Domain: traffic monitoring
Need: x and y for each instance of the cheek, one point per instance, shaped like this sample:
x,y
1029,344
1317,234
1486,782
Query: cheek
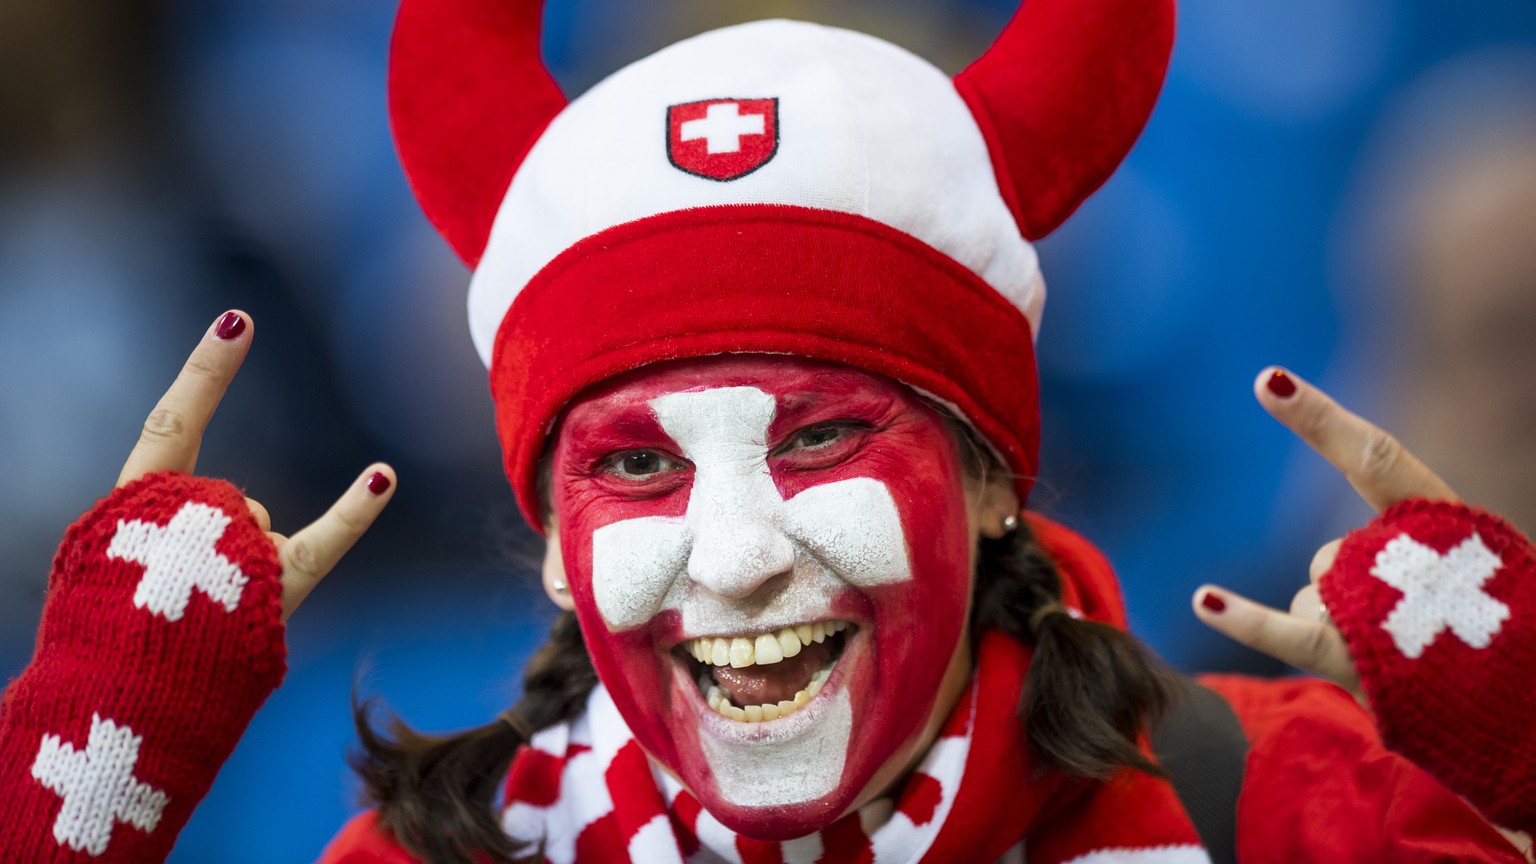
x,y
619,617
621,555
920,617
924,616
904,494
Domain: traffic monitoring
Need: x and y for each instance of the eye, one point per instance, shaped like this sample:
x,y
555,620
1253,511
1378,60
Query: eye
x,y
821,445
641,464
818,437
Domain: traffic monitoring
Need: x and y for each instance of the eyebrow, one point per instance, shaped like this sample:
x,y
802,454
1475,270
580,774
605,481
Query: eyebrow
x,y
830,386
637,422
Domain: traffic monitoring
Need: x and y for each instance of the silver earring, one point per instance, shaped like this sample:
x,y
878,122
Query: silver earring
x,y
560,586
1010,523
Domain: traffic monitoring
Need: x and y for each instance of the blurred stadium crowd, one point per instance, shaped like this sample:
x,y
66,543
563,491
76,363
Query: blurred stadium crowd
x,y
1345,188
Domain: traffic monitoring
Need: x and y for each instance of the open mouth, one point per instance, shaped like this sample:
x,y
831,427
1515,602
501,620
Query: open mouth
x,y
756,678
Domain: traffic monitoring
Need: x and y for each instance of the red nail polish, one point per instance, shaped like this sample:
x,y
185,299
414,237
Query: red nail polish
x,y
378,484
1280,384
1213,602
230,326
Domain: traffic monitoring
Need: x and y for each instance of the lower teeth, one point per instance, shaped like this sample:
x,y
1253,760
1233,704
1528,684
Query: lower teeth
x,y
721,703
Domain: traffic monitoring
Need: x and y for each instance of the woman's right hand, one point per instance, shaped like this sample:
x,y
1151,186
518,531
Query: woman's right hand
x,y
161,636
173,434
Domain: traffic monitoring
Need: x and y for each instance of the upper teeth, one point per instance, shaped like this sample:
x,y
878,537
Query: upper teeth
x,y
763,649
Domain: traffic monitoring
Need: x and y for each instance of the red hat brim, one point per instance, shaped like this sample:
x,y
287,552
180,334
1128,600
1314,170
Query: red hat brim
x,y
765,279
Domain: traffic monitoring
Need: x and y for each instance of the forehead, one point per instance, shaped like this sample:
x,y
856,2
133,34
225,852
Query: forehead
x,y
794,383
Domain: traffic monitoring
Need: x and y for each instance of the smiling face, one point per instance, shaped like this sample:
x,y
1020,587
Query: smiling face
x,y
771,562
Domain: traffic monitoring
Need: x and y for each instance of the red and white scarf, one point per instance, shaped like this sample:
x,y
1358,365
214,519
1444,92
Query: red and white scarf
x,y
587,793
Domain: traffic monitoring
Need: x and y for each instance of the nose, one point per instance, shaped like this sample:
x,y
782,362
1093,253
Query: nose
x,y
734,557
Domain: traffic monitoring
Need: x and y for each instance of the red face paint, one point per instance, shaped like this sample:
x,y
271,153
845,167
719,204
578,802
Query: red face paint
x,y
710,505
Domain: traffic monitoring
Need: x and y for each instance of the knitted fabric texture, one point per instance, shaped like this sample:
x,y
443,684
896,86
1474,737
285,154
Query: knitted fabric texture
x,y
160,638
1435,600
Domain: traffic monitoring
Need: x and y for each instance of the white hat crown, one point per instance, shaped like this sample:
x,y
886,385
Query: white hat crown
x,y
835,120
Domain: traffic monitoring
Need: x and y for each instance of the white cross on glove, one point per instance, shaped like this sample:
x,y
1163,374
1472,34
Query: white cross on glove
x,y
97,786
1440,592
178,557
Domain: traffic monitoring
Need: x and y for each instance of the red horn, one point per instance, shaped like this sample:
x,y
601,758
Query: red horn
x,y
1062,95
468,97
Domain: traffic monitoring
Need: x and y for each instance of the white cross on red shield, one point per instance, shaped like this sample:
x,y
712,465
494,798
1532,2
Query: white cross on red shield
x,y
722,139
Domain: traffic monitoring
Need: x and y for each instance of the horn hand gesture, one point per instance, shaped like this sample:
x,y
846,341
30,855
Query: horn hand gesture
x,y
173,434
1429,604
1380,469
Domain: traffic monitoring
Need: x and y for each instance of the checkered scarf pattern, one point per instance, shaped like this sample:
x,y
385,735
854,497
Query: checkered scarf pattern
x,y
587,793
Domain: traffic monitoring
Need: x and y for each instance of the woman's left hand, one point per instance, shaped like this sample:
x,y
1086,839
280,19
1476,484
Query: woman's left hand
x,y
1379,468
1384,473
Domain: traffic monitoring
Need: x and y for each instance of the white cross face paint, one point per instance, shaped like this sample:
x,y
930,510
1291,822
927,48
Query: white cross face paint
x,y
740,563
738,530
737,533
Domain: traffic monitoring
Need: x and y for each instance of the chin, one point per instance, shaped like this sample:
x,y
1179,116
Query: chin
x,y
815,732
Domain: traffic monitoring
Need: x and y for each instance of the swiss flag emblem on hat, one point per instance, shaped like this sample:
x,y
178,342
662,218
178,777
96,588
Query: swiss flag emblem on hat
x,y
722,139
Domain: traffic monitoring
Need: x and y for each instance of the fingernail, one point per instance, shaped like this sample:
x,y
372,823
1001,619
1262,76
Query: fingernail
x,y
230,326
1213,602
378,484
1280,384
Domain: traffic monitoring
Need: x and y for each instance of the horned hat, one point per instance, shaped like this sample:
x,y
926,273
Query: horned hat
x,y
775,187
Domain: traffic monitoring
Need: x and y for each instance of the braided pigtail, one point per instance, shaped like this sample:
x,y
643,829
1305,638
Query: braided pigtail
x,y
437,793
1091,688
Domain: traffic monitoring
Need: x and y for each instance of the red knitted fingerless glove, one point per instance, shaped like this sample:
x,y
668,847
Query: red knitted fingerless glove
x,y
1438,604
160,638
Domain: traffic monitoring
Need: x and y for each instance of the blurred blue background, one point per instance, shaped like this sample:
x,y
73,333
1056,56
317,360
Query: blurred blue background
x,y
1345,188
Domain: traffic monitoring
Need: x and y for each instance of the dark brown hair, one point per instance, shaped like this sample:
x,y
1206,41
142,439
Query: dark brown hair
x,y
1090,691
1091,688
437,793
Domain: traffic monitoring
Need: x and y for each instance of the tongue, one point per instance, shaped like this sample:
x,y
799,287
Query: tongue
x,y
776,682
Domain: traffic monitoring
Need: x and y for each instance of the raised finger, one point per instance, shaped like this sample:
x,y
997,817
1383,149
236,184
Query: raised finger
x,y
310,554
1302,641
1379,467
173,432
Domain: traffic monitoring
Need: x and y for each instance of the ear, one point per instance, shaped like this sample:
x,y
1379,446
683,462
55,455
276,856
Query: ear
x,y
556,585
998,501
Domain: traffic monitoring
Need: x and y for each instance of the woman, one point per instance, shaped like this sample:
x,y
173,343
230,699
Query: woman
x,y
759,314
